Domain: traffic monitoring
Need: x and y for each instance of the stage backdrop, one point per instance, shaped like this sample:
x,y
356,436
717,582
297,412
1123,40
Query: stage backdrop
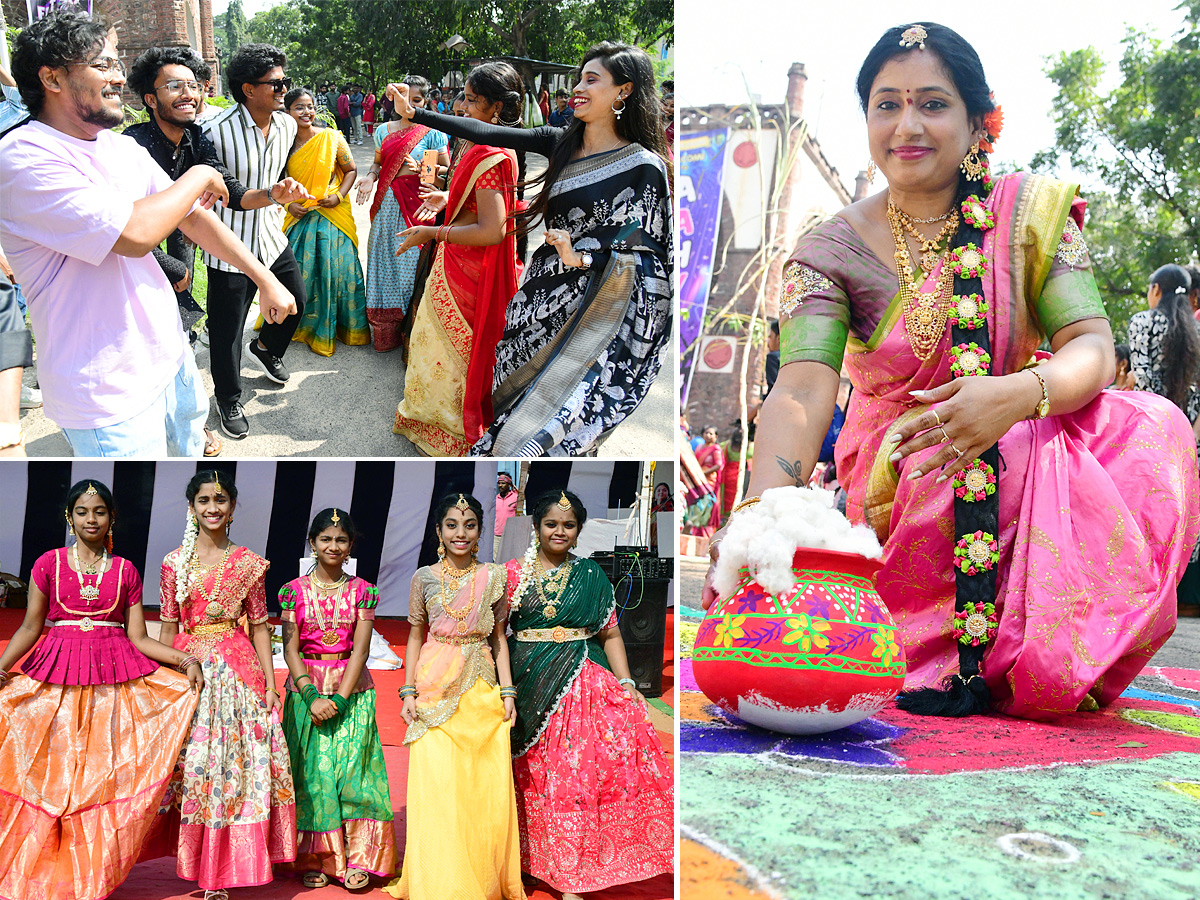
x,y
390,502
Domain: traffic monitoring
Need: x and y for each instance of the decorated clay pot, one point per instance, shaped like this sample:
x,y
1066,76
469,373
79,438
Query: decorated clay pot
x,y
822,655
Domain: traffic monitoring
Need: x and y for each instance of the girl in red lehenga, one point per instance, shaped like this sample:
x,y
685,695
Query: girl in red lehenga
x,y
594,791
89,734
230,810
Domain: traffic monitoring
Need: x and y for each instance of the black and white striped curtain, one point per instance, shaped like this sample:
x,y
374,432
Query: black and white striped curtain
x,y
391,502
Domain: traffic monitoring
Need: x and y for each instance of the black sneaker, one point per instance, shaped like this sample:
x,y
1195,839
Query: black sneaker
x,y
233,420
272,365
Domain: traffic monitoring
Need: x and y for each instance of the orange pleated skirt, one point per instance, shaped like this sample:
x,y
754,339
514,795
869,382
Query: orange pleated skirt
x,y
83,769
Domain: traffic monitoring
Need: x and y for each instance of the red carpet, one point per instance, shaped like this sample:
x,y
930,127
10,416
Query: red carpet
x,y
156,880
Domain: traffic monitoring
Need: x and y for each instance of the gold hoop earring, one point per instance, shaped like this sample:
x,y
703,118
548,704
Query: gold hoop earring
x,y
972,165
871,170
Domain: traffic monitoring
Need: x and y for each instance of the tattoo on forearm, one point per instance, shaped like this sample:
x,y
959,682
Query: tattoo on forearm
x,y
793,470
289,629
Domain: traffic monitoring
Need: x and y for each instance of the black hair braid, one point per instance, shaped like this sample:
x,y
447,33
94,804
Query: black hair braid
x,y
966,693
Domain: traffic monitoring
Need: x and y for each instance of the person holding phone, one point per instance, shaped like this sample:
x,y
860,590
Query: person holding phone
x,y
393,177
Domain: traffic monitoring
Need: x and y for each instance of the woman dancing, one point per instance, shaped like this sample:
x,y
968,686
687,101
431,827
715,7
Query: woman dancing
x,y
325,244
583,335
343,808
394,176
594,790
90,733
1006,576
458,702
230,811
448,383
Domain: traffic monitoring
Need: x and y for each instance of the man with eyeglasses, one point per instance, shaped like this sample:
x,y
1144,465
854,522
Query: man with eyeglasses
x,y
81,209
253,139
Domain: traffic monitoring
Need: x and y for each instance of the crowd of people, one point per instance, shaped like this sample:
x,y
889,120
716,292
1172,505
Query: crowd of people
x,y
503,355
530,752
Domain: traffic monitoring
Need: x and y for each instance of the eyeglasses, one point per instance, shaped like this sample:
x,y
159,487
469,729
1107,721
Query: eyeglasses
x,y
176,86
106,66
279,85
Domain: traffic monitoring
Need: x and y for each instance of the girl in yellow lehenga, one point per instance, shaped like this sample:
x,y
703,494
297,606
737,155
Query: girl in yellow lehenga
x,y
326,245
447,401
462,841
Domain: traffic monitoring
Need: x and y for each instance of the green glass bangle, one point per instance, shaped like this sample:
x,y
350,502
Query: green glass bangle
x,y
340,702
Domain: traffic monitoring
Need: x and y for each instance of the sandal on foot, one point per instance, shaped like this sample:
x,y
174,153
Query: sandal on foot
x,y
356,880
212,443
314,879
219,894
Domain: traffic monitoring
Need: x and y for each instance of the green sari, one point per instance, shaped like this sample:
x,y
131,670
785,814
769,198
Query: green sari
x,y
544,670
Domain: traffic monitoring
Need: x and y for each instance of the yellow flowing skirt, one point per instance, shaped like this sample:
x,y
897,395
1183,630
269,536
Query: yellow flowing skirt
x,y
82,771
462,841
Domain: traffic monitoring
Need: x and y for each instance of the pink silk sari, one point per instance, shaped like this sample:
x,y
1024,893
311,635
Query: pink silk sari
x,y
1098,508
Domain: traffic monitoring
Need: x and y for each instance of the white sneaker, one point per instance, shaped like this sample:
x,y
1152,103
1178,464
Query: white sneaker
x,y
31,397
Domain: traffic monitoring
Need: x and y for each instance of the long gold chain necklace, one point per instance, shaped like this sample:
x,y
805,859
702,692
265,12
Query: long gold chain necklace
x,y
213,608
556,581
452,579
925,314
321,589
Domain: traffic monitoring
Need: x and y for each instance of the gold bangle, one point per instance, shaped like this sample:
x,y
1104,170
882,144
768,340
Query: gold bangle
x,y
749,501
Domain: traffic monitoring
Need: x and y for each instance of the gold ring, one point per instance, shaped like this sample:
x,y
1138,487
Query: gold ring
x,y
956,450
945,437
936,418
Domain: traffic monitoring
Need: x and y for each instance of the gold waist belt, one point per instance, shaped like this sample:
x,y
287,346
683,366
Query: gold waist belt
x,y
458,639
86,624
557,634
214,628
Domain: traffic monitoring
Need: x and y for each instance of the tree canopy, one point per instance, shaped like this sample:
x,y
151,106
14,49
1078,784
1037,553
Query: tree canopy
x,y
1140,140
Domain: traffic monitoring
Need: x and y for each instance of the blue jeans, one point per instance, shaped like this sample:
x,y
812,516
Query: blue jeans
x,y
173,425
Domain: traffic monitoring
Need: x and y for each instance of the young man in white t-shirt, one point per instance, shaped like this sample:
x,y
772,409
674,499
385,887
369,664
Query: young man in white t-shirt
x,y
81,208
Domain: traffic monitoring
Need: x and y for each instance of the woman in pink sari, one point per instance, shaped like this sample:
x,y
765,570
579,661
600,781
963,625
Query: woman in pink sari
x,y
393,176
1034,527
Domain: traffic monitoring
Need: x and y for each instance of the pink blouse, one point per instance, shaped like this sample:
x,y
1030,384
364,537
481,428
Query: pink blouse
x,y
86,653
338,615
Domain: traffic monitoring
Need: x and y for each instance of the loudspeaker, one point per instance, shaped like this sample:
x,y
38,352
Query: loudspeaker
x,y
642,612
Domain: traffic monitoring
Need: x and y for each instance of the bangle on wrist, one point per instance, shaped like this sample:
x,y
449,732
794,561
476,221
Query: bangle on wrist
x,y
749,501
627,681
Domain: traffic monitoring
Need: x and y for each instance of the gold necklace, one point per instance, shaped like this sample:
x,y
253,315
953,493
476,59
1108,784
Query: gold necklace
x,y
929,246
213,609
329,635
452,578
89,593
925,314
556,580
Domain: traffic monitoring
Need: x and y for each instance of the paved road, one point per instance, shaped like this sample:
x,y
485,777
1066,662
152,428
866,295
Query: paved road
x,y
344,405
1182,650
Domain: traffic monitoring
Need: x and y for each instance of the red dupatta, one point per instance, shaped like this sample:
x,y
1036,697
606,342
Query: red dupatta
x,y
486,275
395,148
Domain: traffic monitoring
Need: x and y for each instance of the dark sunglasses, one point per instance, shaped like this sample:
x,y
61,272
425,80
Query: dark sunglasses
x,y
279,85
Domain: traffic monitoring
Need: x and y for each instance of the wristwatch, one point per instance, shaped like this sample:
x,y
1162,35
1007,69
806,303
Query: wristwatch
x,y
10,435
1043,408
271,197
587,259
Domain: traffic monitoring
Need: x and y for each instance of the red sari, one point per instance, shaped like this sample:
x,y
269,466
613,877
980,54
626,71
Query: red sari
x,y
447,401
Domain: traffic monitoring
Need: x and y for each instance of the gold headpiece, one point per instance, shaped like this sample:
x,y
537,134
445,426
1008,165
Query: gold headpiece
x,y
216,482
914,35
462,503
563,503
334,518
91,490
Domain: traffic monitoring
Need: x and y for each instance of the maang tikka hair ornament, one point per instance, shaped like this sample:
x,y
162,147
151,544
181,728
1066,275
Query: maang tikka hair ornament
x,y
334,518
563,503
914,35
462,503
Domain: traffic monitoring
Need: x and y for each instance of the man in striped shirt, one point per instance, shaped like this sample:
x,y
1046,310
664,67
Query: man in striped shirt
x,y
253,139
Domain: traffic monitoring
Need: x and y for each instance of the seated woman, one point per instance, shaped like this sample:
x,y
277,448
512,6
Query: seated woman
x,y
1021,559
322,233
452,351
581,344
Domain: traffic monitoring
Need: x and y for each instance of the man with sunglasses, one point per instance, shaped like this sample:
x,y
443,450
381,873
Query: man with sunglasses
x,y
81,209
253,139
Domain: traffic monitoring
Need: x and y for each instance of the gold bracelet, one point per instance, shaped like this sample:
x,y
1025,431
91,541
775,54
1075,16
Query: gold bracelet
x,y
1043,408
749,501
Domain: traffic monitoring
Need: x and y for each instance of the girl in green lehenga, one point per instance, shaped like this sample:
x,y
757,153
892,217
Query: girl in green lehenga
x,y
343,809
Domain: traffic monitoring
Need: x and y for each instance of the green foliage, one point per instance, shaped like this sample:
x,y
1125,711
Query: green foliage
x,y
1139,139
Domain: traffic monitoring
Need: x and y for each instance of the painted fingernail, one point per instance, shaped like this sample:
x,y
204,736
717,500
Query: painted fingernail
x,y
895,457
915,475
940,479
916,393
894,438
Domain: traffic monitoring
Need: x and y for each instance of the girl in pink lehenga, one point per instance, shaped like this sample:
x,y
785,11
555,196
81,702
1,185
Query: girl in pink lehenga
x,y
1091,495
230,810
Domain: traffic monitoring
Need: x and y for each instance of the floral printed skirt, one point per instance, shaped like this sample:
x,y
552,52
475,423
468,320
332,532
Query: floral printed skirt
x,y
594,794
343,807
230,809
